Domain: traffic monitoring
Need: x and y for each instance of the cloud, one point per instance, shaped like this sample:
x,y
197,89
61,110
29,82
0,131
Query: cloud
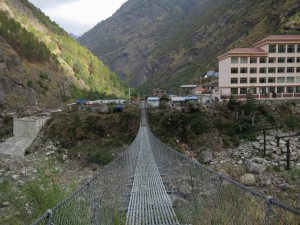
x,y
78,16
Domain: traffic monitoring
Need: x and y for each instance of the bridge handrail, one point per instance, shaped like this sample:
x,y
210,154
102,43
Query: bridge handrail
x,y
268,199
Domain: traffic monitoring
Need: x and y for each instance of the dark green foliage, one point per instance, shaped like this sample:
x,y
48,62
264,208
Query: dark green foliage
x,y
30,83
184,127
292,122
94,135
6,126
100,156
24,42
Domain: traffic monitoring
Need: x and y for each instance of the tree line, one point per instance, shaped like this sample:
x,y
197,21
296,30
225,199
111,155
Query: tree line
x,y
24,42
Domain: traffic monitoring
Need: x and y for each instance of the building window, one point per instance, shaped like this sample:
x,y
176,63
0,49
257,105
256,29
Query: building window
x,y
280,69
253,80
271,89
234,60
233,80
280,79
271,79
281,48
271,70
280,89
290,70
262,70
291,48
290,60
262,80
281,60
272,48
297,89
297,69
290,89
243,91
253,70
244,60
252,90
253,60
233,91
243,70
262,60
243,80
298,60
272,60
290,79
262,90
297,80
234,70
298,48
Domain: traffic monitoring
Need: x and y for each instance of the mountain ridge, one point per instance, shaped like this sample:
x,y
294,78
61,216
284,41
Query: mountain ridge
x,y
184,39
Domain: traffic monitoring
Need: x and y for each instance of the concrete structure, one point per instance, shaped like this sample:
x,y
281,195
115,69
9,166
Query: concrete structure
x,y
271,69
28,127
25,131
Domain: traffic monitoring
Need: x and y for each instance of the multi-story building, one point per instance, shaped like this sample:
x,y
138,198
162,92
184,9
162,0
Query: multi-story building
x,y
271,69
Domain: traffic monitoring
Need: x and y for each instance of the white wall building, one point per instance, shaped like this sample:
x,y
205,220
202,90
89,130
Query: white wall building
x,y
271,69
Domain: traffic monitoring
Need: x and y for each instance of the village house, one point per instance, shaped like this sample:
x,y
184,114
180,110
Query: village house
x,y
157,92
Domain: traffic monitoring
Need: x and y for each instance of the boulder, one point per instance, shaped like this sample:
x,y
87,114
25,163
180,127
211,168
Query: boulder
x,y
205,157
248,179
255,145
253,167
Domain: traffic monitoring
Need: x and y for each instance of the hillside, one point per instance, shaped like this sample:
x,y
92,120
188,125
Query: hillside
x,y
165,43
41,65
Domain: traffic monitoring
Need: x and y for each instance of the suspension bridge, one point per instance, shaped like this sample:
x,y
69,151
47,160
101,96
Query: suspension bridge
x,y
152,184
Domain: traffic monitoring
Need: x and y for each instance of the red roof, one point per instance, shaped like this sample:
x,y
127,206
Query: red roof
x,y
279,38
246,50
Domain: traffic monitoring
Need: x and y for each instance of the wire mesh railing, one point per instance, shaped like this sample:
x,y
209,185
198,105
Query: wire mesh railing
x,y
199,195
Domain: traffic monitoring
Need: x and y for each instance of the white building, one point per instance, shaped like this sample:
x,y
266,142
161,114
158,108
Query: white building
x,y
271,69
153,101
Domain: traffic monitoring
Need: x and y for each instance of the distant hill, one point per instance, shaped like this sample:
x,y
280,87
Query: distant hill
x,y
41,65
165,43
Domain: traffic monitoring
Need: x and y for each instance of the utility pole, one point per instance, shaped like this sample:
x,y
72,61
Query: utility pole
x,y
129,95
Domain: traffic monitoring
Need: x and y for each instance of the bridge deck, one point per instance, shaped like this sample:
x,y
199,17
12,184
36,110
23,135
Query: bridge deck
x,y
149,202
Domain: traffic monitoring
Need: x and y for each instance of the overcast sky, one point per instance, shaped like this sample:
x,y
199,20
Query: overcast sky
x,y
78,16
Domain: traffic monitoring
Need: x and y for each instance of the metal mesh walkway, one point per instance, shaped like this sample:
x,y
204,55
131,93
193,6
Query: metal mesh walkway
x,y
149,202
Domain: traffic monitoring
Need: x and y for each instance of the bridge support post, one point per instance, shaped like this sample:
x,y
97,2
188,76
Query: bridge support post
x,y
269,210
49,216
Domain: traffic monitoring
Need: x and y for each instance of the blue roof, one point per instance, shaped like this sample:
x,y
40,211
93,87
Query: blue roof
x,y
190,98
152,99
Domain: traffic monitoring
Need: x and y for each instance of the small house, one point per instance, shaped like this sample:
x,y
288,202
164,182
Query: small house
x,y
153,101
157,92
187,89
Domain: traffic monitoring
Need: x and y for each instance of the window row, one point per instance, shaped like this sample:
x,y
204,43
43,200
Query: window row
x,y
235,70
253,60
265,90
262,80
284,48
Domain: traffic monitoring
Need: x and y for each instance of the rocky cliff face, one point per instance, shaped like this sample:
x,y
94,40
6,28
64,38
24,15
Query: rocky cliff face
x,y
166,43
21,84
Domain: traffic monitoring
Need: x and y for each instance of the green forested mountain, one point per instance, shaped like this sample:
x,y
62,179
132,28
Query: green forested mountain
x,y
40,64
165,43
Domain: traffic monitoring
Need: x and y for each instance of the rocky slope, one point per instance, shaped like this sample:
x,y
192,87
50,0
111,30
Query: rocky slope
x,y
166,43
66,70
